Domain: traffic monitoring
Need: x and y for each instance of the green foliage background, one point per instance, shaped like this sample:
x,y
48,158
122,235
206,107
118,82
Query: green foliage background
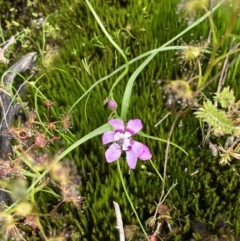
x,y
208,196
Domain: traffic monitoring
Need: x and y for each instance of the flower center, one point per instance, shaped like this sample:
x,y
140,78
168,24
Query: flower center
x,y
122,141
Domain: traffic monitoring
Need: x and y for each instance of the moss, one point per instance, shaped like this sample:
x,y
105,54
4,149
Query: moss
x,y
205,190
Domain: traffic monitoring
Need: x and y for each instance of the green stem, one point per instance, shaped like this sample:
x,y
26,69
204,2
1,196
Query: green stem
x,y
129,199
216,46
213,63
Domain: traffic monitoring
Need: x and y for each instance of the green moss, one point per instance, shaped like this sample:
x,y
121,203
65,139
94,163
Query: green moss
x,y
205,189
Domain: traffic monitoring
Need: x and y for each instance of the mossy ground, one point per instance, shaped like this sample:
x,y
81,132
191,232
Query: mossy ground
x,y
209,196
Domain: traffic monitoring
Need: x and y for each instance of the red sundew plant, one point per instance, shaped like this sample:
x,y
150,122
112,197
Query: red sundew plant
x,y
9,225
70,194
66,122
10,169
40,140
194,52
191,8
29,158
31,221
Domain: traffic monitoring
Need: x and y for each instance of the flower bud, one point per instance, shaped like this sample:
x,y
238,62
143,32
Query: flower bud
x,y
112,105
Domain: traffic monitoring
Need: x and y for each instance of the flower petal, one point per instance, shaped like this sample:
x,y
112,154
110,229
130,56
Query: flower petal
x,y
126,145
134,126
117,124
107,137
118,136
136,147
131,159
113,153
146,154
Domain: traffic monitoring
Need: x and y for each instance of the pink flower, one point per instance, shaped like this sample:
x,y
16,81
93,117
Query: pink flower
x,y
121,138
